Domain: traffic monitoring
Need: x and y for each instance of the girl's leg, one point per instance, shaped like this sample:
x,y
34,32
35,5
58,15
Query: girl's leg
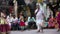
x,y
38,27
41,25
21,28
41,29
58,26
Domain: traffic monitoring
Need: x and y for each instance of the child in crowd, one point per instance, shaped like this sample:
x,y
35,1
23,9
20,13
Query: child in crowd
x,y
51,22
22,23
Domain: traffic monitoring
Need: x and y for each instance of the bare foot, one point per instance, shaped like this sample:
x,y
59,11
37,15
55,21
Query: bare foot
x,y
58,30
38,31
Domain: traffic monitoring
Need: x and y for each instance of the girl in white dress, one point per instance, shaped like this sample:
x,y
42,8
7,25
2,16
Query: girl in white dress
x,y
39,18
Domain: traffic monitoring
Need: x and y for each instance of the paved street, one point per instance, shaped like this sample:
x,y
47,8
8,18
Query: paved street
x,y
46,31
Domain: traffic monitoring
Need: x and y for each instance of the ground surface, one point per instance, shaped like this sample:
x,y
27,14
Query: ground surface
x,y
46,31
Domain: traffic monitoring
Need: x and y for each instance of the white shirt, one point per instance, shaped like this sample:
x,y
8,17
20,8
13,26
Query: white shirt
x,y
28,1
39,15
9,19
43,7
14,19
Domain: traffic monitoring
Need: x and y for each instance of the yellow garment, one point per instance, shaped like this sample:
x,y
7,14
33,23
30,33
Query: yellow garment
x,y
57,13
39,1
2,21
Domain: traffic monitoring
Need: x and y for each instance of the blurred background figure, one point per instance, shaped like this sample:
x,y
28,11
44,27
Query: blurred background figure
x,y
4,26
58,19
51,22
22,23
31,22
14,22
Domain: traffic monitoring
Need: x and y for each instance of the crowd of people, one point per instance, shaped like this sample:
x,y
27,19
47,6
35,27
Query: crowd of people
x,y
12,22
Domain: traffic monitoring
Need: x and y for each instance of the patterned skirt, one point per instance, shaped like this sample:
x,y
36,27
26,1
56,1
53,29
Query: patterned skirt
x,y
4,28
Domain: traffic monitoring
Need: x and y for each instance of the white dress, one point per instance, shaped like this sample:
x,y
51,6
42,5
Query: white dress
x,y
39,16
39,19
43,7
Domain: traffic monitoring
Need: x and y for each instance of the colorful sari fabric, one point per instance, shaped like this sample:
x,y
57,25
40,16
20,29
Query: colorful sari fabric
x,y
51,22
58,19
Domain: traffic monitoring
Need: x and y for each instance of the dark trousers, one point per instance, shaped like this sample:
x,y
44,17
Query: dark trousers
x,y
14,26
32,25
